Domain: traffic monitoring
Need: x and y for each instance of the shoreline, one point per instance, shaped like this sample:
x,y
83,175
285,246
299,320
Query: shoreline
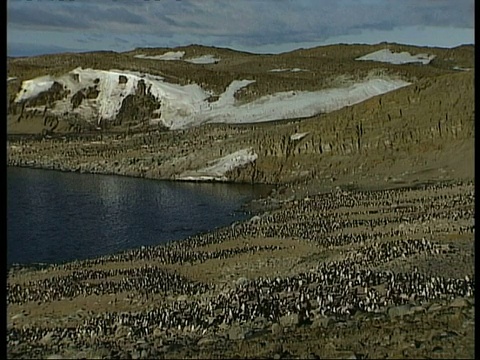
x,y
244,209
362,248
386,238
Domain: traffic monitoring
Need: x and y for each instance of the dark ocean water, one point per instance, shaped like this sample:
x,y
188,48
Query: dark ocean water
x,y
53,217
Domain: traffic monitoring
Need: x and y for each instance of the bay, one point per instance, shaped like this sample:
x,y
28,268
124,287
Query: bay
x,y
54,217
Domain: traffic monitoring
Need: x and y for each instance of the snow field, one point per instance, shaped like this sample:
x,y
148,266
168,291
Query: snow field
x,y
219,167
186,106
385,55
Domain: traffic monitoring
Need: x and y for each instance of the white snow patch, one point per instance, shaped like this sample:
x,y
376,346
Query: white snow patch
x,y
34,87
385,55
297,104
176,101
199,178
461,69
298,136
10,78
219,167
186,106
284,70
205,59
227,98
170,55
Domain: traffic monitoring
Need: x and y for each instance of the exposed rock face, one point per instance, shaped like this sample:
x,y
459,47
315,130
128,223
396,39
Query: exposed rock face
x,y
138,107
418,117
412,121
74,98
89,93
39,105
56,92
401,125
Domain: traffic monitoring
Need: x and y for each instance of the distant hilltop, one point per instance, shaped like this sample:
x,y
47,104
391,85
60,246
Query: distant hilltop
x,y
190,86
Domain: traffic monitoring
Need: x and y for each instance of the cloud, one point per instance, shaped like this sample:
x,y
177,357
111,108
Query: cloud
x,y
225,22
71,15
42,18
121,40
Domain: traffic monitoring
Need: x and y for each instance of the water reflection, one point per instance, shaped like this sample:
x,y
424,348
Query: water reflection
x,y
56,217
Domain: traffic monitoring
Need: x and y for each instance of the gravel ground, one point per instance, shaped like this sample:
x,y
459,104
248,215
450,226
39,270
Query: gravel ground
x,y
344,274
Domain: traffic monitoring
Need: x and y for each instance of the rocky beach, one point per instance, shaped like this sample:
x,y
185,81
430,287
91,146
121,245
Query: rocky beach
x,y
363,249
363,274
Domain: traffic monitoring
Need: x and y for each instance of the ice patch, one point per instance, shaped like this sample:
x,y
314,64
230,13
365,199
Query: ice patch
x,y
34,87
171,55
284,70
187,106
178,55
227,98
205,59
177,101
219,167
298,136
461,69
298,104
385,55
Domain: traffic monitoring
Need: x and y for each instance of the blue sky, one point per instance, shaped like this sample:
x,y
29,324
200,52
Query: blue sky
x,y
261,26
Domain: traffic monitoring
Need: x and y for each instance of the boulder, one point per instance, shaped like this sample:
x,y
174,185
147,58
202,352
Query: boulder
x,y
434,307
157,332
47,339
276,329
241,281
236,332
122,331
400,310
290,320
459,303
205,341
182,298
322,321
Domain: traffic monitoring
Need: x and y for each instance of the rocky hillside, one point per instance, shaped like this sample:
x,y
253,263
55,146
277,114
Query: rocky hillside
x,y
81,92
415,126
387,273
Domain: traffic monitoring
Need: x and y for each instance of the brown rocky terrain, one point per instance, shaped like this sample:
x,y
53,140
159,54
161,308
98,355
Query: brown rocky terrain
x,y
362,274
363,250
399,126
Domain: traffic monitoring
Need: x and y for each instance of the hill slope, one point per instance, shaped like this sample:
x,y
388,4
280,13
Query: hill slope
x,y
362,116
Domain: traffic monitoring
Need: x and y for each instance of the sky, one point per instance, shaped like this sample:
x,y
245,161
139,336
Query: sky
x,y
37,27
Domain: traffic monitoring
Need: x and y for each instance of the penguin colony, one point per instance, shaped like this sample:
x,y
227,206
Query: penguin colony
x,y
340,288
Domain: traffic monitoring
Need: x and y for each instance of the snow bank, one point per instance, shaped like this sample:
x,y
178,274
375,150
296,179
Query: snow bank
x,y
171,55
177,101
297,104
219,167
227,98
186,106
34,87
385,55
178,55
298,136
205,59
291,70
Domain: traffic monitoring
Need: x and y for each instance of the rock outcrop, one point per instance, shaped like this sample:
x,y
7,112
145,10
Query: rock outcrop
x,y
408,125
